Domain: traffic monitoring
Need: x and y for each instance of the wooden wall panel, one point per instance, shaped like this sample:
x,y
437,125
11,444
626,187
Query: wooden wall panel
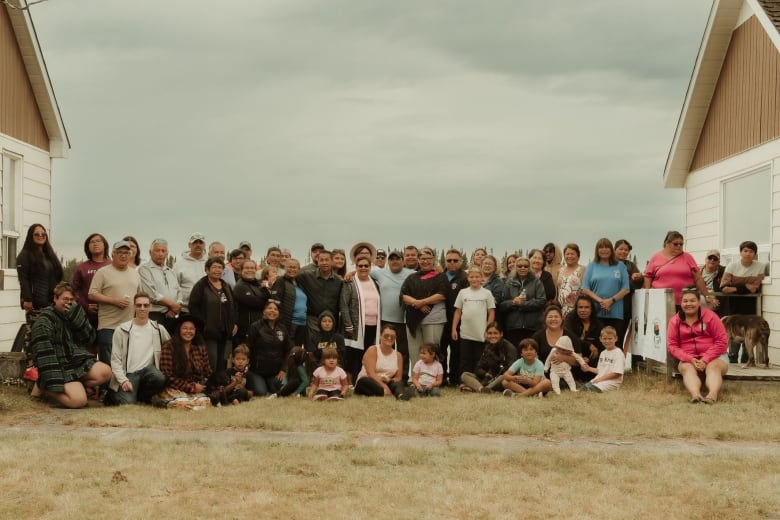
x,y
19,114
745,108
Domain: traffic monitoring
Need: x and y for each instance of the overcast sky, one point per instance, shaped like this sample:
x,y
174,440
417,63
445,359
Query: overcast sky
x,y
502,123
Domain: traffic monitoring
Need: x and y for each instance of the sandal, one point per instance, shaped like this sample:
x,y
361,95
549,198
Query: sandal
x,y
697,399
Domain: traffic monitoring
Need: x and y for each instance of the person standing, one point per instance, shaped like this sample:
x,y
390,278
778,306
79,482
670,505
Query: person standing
x,y
424,293
381,259
390,281
456,281
212,301
323,290
113,288
135,357
189,268
161,284
39,271
96,249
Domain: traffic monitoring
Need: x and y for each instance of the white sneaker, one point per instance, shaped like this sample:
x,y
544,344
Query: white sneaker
x,y
272,396
320,397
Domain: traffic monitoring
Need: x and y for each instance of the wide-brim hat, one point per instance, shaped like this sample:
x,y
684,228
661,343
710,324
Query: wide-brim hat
x,y
183,318
361,245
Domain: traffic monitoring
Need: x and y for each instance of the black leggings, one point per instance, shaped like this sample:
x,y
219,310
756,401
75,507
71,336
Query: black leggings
x,y
368,387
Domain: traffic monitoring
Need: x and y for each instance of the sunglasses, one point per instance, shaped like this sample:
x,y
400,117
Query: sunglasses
x,y
676,244
452,260
713,258
363,266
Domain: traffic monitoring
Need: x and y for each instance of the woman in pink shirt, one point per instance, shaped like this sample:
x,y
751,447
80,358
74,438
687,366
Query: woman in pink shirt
x,y
673,268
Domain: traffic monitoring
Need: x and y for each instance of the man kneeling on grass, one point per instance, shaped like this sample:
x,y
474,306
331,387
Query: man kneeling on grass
x,y
135,357
526,375
612,364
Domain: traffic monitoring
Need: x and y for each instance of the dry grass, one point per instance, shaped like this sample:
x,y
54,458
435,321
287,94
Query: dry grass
x,y
645,408
94,477
383,458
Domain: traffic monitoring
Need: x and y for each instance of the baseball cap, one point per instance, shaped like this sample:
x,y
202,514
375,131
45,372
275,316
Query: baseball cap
x,y
197,236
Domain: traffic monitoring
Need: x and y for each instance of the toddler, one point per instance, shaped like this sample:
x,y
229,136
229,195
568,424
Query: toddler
x,y
562,369
330,380
427,374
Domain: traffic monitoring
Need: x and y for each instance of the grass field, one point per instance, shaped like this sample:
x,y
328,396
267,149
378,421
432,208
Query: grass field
x,y
643,450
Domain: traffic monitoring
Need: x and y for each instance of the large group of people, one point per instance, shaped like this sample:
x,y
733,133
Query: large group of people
x,y
222,323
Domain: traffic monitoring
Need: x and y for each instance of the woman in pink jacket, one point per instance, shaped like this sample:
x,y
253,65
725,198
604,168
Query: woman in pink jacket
x,y
697,338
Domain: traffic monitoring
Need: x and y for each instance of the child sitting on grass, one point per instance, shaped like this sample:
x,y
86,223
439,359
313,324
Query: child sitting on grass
x,y
562,369
612,365
497,356
526,375
295,377
330,380
427,374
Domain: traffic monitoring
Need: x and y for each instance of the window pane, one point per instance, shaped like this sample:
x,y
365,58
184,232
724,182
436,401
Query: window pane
x,y
747,209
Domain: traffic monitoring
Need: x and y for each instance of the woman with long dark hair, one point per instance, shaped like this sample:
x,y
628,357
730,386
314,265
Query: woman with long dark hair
x,y
135,252
39,272
96,250
184,359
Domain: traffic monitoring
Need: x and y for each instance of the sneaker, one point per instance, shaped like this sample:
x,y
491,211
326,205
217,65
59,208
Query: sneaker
x,y
335,398
508,393
272,396
320,397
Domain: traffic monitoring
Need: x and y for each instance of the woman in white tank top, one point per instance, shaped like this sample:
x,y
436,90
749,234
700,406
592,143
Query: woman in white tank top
x,y
381,373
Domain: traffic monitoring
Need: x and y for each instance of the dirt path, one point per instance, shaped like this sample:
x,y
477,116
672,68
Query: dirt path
x,y
465,442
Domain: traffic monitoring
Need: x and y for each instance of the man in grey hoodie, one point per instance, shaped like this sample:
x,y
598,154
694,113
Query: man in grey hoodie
x,y
191,267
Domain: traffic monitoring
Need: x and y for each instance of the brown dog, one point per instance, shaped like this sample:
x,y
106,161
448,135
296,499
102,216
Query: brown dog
x,y
753,331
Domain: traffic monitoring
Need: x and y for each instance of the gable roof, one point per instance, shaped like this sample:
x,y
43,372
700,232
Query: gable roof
x,y
38,74
723,19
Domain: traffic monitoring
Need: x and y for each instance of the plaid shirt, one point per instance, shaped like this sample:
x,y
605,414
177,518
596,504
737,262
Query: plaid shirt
x,y
198,371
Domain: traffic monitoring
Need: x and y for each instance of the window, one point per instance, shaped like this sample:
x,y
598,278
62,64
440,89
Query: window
x,y
11,211
746,214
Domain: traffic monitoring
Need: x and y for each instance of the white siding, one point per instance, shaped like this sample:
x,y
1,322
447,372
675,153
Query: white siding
x,y
36,204
703,227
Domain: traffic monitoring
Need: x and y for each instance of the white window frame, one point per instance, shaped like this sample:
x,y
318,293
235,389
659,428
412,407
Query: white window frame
x,y
730,252
11,231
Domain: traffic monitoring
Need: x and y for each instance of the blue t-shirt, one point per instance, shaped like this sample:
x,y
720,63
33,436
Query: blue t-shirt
x,y
519,368
606,281
299,311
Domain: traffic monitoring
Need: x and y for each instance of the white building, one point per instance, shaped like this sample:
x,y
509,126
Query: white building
x,y
31,136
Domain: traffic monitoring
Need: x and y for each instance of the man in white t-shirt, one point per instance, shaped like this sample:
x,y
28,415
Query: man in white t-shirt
x,y
742,277
135,356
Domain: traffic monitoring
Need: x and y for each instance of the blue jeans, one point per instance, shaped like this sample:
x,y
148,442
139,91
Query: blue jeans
x,y
146,383
264,384
216,350
103,339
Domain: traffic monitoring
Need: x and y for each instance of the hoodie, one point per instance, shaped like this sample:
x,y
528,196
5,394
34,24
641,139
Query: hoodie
x,y
188,271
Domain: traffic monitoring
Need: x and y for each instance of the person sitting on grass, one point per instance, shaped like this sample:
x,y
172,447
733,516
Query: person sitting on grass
x,y
612,364
330,380
427,374
382,368
184,359
295,380
232,385
697,338
497,356
58,341
526,375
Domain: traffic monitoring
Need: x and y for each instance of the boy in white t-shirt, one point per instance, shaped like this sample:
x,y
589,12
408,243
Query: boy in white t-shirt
x,y
612,365
475,307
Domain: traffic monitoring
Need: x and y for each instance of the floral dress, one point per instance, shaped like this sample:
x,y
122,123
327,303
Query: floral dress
x,y
569,286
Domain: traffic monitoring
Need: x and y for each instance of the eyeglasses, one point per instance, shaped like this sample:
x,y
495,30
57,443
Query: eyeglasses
x,y
453,260
142,305
364,266
424,258
713,258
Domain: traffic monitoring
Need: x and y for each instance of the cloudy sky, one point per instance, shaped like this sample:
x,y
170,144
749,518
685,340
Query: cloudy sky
x,y
505,123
